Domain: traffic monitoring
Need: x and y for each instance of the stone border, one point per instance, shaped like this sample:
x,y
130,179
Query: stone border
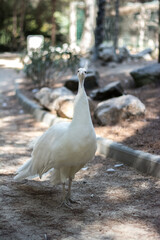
x,y
36,110
142,161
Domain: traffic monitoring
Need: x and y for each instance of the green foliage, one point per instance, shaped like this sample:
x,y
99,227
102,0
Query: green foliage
x,y
46,64
20,18
62,22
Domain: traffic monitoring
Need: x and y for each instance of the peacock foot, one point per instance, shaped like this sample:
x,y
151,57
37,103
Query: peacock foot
x,y
66,203
74,201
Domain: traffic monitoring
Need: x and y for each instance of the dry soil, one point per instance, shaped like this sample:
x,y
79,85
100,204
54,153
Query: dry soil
x,y
120,205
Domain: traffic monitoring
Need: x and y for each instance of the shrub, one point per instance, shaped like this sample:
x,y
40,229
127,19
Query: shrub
x,y
45,64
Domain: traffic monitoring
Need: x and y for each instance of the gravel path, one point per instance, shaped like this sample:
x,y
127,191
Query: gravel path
x,y
122,205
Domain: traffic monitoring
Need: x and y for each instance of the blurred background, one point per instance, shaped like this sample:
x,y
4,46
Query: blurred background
x,y
131,23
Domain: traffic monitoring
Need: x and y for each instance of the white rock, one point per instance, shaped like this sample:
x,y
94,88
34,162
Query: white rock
x,y
64,106
21,111
110,170
35,90
60,100
43,96
85,168
118,165
47,96
113,110
4,104
107,54
58,92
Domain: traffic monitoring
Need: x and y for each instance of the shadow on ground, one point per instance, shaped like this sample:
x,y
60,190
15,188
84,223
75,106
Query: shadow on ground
x,y
120,205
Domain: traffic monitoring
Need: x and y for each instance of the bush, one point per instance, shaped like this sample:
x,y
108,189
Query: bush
x,y
45,64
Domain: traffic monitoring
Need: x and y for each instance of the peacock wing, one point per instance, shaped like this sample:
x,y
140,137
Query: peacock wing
x,y
46,146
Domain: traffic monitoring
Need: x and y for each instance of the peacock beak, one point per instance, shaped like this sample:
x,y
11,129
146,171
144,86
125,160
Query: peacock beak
x,y
81,75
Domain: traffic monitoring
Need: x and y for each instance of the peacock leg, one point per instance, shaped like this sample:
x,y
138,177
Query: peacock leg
x,y
69,192
69,188
64,192
65,202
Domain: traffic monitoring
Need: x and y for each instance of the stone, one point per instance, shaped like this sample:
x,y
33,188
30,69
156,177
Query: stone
x,y
47,96
107,54
148,57
142,53
123,54
111,111
111,90
91,81
72,83
64,106
94,72
43,96
112,64
103,46
146,75
61,91
60,100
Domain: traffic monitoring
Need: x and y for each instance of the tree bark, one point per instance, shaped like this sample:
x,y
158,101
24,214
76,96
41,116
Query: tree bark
x,y
87,40
22,15
116,27
99,32
53,32
14,31
159,33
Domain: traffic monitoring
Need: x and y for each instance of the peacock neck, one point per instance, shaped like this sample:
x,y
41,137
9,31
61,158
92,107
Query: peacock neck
x,y
81,115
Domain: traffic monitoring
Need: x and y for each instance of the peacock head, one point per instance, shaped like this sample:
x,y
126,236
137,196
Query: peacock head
x,y
81,73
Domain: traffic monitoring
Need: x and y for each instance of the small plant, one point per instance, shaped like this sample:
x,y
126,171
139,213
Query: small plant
x,y
44,65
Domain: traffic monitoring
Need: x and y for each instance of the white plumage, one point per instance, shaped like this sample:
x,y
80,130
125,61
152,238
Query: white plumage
x,y
65,146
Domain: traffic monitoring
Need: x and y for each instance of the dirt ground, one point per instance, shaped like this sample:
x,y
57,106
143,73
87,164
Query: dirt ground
x,y
122,205
141,133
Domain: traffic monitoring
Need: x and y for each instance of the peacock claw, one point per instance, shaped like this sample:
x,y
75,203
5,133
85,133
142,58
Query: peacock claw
x,y
74,201
65,203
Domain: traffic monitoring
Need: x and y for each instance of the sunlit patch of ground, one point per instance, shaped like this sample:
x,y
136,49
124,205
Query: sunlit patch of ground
x,y
123,205
10,60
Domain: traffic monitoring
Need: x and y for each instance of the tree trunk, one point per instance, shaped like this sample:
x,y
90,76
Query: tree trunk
x,y
14,30
73,24
159,33
142,28
116,27
53,32
99,32
87,40
22,15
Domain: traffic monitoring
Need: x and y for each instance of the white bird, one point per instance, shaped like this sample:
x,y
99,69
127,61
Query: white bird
x,y
66,146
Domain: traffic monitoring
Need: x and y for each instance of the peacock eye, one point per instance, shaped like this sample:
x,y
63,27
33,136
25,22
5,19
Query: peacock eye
x,y
85,72
78,71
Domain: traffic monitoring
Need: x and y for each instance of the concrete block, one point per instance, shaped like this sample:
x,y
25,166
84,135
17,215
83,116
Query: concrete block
x,y
142,161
